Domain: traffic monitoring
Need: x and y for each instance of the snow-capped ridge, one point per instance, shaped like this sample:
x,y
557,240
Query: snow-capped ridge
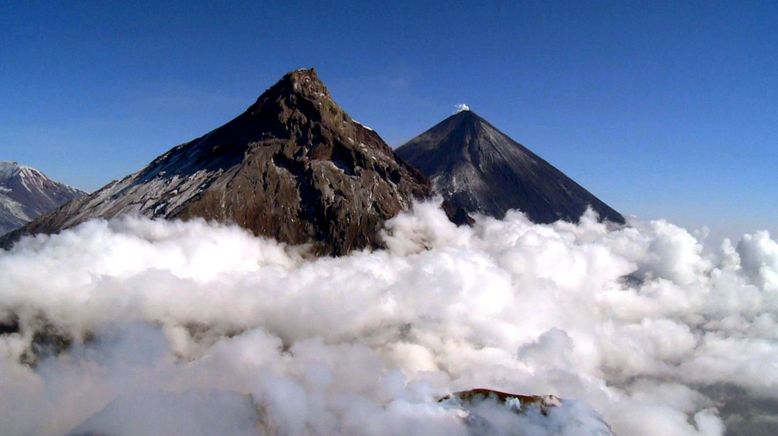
x,y
26,193
11,168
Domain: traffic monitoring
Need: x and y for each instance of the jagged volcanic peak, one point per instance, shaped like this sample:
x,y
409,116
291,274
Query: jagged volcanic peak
x,y
294,166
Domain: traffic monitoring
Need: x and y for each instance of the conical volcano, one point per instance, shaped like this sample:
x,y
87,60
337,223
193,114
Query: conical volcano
x,y
294,166
479,169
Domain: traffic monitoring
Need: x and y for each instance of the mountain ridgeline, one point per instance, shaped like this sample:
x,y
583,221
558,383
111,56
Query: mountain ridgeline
x,y
479,169
295,167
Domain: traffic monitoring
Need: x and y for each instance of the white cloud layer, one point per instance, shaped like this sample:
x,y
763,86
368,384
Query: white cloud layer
x,y
193,327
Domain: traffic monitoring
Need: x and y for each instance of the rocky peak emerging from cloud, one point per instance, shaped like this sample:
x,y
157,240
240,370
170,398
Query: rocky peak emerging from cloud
x,y
294,166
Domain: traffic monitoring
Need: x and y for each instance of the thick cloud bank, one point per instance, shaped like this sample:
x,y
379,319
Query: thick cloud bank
x,y
192,327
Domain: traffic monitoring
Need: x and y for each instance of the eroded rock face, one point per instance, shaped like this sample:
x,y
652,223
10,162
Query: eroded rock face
x,y
294,166
479,169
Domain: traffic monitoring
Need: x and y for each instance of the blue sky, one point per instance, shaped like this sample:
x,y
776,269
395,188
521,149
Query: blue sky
x,y
662,109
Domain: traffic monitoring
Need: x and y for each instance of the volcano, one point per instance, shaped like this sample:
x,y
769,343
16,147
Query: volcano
x,y
479,169
294,166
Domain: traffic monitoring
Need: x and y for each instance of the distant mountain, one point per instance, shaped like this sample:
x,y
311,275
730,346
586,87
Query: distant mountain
x,y
26,193
477,168
294,166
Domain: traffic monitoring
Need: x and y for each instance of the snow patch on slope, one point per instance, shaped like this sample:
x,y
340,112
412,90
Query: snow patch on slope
x,y
363,126
153,198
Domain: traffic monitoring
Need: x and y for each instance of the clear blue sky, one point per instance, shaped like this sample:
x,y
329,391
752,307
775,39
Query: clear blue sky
x,y
663,109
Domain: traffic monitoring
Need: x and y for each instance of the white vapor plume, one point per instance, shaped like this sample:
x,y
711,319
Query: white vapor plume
x,y
135,326
461,107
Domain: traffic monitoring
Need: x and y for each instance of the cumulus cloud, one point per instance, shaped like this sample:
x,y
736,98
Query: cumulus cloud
x,y
116,322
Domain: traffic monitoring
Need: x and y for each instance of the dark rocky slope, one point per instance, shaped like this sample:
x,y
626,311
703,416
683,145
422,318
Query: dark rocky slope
x,y
479,169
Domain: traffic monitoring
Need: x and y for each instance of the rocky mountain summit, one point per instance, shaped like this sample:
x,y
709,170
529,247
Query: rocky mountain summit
x,y
26,193
479,169
294,166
